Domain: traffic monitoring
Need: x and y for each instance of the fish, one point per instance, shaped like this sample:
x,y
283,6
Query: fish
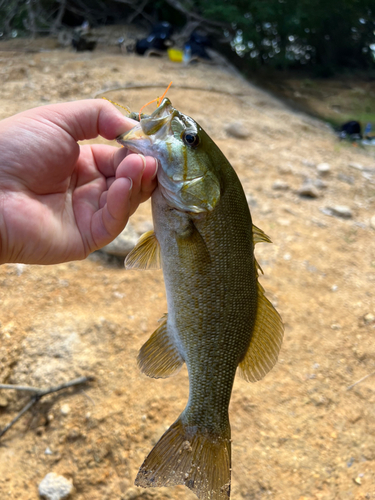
x,y
219,320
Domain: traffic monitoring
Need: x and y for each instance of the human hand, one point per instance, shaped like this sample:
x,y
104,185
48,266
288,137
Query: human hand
x,y
60,201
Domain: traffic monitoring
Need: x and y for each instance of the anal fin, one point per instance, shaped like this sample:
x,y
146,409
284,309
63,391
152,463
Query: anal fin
x,y
159,356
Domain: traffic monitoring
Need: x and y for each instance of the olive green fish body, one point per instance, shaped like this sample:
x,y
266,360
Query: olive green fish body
x,y
212,294
218,317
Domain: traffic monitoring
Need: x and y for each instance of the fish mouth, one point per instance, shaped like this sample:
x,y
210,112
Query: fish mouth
x,y
157,126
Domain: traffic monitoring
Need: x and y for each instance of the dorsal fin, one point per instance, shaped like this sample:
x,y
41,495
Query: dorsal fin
x,y
145,254
159,356
265,342
260,236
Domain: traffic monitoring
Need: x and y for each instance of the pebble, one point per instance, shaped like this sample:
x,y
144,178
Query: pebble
x,y
372,222
285,169
55,487
125,241
308,163
336,326
323,168
65,409
20,269
280,185
341,211
357,166
349,179
320,184
237,130
369,318
308,190
283,222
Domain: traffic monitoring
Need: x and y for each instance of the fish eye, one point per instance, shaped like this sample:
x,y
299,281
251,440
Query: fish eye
x,y
190,139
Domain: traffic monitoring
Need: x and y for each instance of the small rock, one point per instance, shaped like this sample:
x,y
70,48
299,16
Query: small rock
x,y
308,163
349,179
357,166
341,211
280,185
65,409
125,241
369,318
372,222
285,169
20,269
55,487
48,451
283,222
237,130
323,168
308,190
320,184
336,326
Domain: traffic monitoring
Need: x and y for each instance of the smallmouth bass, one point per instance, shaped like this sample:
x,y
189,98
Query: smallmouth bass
x,y
218,316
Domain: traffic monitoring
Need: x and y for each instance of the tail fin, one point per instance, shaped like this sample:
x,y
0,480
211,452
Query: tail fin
x,y
186,455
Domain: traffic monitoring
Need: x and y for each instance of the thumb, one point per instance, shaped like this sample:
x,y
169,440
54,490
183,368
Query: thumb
x,y
88,118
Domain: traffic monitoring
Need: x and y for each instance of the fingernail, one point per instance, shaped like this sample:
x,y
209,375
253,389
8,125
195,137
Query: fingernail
x,y
131,183
156,169
143,159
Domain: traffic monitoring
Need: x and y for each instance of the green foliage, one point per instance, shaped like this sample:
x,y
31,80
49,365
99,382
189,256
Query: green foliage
x,y
324,35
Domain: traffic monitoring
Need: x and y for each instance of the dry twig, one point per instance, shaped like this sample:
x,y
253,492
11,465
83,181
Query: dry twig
x,y
38,394
360,380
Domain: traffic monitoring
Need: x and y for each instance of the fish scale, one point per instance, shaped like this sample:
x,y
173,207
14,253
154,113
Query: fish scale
x,y
218,316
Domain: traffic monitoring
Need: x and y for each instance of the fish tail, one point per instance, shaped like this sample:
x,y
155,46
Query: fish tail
x,y
187,455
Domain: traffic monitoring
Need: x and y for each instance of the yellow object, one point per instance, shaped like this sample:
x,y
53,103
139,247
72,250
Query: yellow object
x,y
175,55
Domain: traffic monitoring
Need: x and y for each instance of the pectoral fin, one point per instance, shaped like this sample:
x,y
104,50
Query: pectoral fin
x,y
192,248
265,342
159,356
145,254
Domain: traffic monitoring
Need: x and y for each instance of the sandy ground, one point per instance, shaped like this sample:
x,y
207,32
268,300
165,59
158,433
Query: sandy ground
x,y
299,434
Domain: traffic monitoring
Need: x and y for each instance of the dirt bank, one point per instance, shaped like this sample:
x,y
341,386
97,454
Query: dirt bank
x,y
298,434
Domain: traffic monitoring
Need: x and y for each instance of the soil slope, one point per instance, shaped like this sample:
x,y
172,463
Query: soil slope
x,y
298,434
